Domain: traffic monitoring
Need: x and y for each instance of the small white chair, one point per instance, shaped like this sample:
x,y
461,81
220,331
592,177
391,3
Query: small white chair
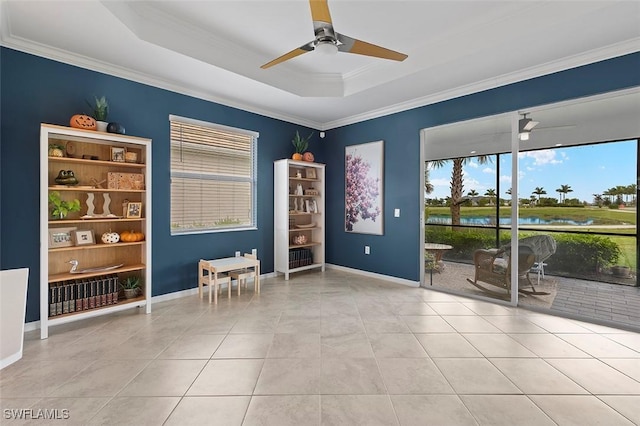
x,y
206,279
538,268
241,275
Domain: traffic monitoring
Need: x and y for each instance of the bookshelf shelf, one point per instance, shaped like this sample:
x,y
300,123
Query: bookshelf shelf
x,y
64,295
123,304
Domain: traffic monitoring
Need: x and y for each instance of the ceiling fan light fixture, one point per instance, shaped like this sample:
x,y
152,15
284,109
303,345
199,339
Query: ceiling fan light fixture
x,y
326,48
525,125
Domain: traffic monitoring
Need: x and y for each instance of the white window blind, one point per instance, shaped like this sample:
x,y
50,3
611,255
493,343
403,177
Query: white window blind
x,y
213,177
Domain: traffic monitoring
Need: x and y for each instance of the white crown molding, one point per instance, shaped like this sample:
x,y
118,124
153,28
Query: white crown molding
x,y
574,61
81,61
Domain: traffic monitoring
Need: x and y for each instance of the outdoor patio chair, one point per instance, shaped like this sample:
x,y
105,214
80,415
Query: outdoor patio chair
x,y
543,246
493,266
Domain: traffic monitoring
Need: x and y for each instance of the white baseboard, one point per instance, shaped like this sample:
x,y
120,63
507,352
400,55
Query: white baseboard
x,y
31,326
374,275
35,325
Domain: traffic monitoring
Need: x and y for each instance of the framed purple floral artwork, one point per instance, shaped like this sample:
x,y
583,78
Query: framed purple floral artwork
x,y
364,176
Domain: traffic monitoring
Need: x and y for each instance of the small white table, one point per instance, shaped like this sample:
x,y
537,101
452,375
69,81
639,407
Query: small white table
x,y
224,264
437,250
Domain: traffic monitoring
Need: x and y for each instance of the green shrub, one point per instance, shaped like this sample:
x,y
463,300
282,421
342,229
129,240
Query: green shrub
x,y
583,254
464,241
576,254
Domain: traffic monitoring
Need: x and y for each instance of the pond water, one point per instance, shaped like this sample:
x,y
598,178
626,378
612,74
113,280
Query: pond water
x,y
489,221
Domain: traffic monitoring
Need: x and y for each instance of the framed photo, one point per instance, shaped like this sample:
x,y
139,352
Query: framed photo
x,y
364,176
61,237
310,173
117,154
134,210
83,237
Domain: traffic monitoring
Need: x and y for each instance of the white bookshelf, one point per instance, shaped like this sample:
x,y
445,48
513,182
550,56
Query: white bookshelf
x,y
299,219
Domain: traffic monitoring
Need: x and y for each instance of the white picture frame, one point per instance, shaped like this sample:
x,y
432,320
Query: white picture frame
x,y
364,189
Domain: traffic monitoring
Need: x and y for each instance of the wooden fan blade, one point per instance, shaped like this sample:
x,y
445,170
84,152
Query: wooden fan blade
x,y
352,45
295,52
320,11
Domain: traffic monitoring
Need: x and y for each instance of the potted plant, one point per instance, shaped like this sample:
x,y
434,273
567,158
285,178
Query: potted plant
x,y
300,144
100,110
130,286
622,270
61,208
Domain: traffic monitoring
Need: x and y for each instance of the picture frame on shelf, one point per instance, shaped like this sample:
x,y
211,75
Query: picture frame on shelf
x,y
118,154
310,173
82,237
134,210
61,237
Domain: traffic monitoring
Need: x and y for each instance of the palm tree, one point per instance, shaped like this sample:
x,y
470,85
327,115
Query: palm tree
x,y
473,193
608,193
457,182
597,199
491,193
633,190
539,191
428,186
564,190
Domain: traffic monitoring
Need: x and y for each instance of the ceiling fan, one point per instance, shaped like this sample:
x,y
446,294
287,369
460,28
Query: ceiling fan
x,y
526,125
328,41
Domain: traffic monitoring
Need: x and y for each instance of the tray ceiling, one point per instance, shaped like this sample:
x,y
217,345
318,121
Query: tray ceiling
x,y
214,49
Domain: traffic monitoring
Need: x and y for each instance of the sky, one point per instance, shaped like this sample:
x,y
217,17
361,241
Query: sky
x,y
588,170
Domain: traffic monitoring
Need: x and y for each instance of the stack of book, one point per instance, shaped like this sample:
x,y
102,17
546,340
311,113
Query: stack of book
x,y
79,295
300,257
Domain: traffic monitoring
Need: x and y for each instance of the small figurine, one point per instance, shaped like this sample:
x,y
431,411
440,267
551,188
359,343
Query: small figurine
x,y
66,177
96,184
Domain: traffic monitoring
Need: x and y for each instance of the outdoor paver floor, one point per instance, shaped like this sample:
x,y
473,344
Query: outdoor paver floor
x,y
601,302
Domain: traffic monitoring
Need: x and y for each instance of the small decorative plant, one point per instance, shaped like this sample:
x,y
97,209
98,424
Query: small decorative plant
x,y
100,109
130,286
131,283
60,208
300,144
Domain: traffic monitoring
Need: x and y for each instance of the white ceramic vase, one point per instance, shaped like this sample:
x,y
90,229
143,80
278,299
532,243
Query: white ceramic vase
x,y
102,126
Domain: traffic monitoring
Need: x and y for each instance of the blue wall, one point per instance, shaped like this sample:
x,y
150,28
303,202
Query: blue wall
x,y
35,90
396,253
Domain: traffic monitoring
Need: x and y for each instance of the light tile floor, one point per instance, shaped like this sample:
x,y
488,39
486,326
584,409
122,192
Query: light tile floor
x,y
328,348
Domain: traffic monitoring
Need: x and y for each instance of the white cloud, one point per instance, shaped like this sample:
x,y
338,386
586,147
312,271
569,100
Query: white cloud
x,y
530,169
488,170
545,156
505,178
440,182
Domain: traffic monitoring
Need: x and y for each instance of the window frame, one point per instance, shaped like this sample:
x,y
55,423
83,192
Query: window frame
x,y
198,176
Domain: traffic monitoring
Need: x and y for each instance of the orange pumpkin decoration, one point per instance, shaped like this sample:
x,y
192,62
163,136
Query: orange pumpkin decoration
x,y
131,236
308,156
81,121
297,156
